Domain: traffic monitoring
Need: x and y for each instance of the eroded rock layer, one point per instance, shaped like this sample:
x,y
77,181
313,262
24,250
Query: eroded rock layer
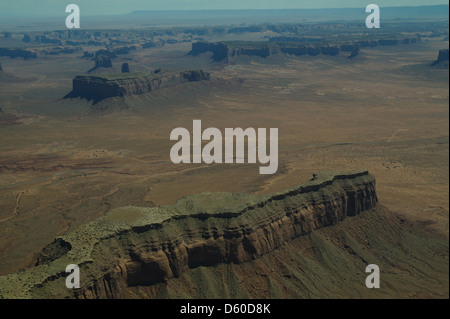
x,y
134,246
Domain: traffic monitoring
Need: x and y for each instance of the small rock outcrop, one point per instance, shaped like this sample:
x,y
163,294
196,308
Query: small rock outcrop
x,y
355,52
103,61
443,58
26,38
125,68
87,54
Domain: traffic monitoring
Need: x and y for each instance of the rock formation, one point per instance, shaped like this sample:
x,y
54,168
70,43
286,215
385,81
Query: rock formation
x,y
26,38
354,51
97,88
108,53
388,41
60,50
219,50
297,39
7,118
223,51
125,68
313,51
124,50
18,53
87,54
330,50
353,48
134,246
47,40
103,61
443,58
149,44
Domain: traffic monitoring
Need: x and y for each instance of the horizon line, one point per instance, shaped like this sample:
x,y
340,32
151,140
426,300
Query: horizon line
x,y
331,8
27,15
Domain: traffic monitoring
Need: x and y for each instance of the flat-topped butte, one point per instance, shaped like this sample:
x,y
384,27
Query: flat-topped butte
x,y
99,87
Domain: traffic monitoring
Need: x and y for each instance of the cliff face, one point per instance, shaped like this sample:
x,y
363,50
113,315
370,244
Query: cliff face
x,y
133,246
219,50
97,88
227,50
443,58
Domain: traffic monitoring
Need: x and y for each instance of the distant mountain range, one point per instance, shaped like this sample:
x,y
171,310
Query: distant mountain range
x,y
145,18
332,14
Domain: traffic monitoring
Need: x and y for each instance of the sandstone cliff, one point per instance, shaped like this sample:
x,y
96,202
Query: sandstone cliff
x,y
134,246
100,87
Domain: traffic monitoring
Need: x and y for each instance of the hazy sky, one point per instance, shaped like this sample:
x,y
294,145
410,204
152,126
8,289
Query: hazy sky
x,y
99,7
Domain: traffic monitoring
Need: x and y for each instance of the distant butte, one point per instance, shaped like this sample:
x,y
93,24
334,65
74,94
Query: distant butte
x,y
104,86
226,50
